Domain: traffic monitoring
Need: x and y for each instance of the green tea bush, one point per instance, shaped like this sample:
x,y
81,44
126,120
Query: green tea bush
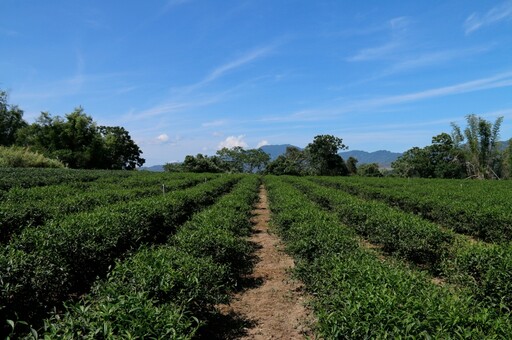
x,y
33,207
48,264
476,208
171,288
154,294
356,295
400,233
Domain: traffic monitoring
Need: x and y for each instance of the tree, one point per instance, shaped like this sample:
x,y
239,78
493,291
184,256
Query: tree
x,y
201,163
441,159
293,162
323,156
11,120
233,159
481,148
78,142
445,158
507,161
369,170
413,163
256,160
119,150
352,165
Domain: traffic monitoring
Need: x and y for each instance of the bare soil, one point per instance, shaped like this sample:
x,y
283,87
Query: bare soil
x,y
274,308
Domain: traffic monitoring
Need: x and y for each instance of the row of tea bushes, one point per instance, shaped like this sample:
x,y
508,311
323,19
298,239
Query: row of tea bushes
x,y
44,266
169,291
399,233
35,206
484,268
31,177
357,295
478,208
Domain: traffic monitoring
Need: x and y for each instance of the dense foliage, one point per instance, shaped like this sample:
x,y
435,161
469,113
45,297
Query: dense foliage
x,y
320,157
75,140
17,157
41,267
234,160
473,152
117,254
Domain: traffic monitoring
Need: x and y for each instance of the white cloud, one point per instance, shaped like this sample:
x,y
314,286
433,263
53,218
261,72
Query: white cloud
x,y
496,81
397,26
163,138
233,141
230,66
374,52
214,123
262,143
496,14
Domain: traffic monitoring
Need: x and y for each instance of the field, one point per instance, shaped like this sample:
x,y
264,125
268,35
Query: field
x,y
106,254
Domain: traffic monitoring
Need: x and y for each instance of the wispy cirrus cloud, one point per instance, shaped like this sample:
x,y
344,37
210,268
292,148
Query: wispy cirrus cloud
x,y
415,61
190,96
214,123
373,53
382,103
397,28
499,80
232,65
496,14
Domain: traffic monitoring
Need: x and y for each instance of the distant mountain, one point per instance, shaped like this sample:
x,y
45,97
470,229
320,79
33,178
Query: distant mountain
x,y
382,157
276,150
155,168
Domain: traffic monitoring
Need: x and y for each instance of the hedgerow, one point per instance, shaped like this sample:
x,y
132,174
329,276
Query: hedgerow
x,y
43,266
357,295
172,288
35,206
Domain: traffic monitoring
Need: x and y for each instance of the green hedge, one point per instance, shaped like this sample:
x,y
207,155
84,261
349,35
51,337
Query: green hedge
x,y
44,266
359,296
399,233
172,288
477,208
35,206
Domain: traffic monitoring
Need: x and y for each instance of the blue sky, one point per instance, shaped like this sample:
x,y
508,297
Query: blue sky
x,y
190,76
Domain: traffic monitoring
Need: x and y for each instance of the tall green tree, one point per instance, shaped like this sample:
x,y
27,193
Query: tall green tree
x,y
119,150
233,159
369,170
11,120
481,145
256,160
441,159
507,161
352,165
201,163
323,156
293,162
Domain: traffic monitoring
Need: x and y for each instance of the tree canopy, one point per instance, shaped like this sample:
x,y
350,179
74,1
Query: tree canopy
x,y
11,120
234,160
75,140
470,153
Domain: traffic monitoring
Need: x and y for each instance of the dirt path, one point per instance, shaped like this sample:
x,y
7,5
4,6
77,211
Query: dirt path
x,y
276,307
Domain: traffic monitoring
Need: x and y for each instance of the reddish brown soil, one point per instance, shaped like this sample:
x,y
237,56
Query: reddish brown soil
x,y
276,308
